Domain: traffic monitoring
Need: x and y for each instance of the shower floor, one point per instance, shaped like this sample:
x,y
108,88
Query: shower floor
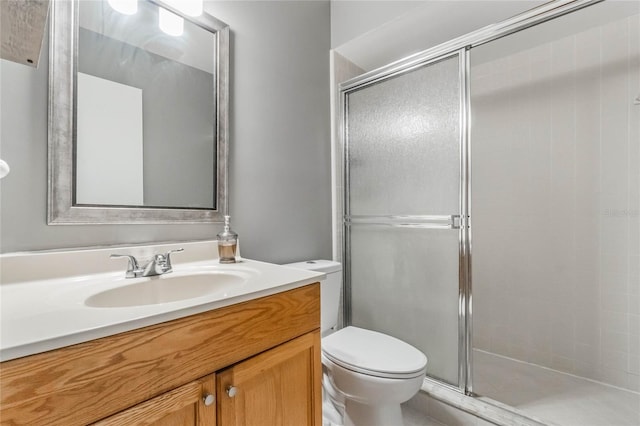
x,y
552,396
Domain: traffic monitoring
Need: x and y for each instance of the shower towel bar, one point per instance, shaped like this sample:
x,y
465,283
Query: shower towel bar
x,y
406,221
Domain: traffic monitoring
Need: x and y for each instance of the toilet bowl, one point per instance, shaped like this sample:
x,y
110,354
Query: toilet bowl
x,y
366,374
373,373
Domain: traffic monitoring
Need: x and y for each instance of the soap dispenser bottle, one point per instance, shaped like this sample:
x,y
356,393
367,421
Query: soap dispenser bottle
x,y
227,243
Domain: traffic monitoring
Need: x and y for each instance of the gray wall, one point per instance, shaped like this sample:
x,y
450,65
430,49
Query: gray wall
x,y
354,18
280,149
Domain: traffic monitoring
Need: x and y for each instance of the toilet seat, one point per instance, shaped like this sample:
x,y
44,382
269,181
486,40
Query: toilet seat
x,y
374,354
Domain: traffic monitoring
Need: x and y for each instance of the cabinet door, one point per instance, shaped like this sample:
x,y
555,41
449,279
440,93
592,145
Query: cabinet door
x,y
183,406
281,386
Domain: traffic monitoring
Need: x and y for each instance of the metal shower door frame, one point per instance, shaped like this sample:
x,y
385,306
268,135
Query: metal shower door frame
x,y
459,221
459,46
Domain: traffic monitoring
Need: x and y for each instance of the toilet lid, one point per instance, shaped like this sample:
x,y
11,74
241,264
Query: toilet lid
x,y
373,353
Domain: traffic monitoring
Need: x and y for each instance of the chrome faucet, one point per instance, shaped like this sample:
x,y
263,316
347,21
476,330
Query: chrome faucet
x,y
158,265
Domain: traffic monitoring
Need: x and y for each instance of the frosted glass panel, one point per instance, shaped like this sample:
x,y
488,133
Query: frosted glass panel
x,y
404,282
404,143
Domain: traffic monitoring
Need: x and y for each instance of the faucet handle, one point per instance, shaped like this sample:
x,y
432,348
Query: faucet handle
x,y
133,269
167,258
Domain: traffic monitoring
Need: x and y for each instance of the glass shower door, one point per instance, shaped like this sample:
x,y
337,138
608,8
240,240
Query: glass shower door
x,y
404,242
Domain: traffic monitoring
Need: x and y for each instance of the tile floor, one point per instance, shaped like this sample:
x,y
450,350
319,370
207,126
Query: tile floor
x,y
413,417
551,396
410,415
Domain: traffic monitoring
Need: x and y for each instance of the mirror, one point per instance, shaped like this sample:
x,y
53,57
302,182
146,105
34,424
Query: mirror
x,y
138,114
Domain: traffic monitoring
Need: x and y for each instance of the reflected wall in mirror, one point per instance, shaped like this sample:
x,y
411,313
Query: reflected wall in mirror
x,y
138,114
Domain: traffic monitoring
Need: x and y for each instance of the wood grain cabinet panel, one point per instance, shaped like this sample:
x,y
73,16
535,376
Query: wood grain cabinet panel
x,y
184,406
280,387
84,383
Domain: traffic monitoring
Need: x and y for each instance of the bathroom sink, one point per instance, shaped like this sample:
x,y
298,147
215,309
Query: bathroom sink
x,y
167,288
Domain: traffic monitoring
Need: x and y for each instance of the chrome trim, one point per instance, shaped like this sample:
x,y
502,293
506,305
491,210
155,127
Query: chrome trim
x,y
465,320
159,264
346,230
445,222
485,408
62,108
538,15
422,218
430,381
406,221
459,46
403,225
462,276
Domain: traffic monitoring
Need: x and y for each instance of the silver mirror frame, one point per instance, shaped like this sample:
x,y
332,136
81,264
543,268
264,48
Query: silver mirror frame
x,y
62,131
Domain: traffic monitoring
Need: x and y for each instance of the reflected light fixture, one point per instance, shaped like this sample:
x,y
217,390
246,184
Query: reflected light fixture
x,y
126,7
170,23
188,7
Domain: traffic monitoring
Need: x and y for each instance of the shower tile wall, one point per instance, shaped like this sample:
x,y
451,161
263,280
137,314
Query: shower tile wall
x,y
556,204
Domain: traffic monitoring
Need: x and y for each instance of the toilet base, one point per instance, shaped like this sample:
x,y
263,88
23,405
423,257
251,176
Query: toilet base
x,y
357,414
332,409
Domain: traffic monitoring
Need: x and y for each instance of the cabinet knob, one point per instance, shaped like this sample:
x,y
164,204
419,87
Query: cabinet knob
x,y
208,399
231,391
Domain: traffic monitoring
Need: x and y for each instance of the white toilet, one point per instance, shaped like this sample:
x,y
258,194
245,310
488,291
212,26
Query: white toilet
x,y
366,374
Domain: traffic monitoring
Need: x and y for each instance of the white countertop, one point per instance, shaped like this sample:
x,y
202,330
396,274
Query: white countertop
x,y
43,314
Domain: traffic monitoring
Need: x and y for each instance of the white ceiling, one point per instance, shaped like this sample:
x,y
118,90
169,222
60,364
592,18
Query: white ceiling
x,y
422,26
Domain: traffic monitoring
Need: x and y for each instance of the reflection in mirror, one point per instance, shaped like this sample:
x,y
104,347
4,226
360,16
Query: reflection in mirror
x,y
149,87
145,110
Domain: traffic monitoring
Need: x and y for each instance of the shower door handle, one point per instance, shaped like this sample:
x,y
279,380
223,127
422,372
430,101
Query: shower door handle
x,y
456,222
407,221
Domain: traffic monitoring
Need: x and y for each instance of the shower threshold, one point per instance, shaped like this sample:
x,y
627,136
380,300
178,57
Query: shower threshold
x,y
551,396
509,392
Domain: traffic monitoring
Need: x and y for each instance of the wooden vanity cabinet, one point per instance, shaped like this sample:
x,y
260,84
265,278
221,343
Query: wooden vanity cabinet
x,y
277,387
259,359
184,406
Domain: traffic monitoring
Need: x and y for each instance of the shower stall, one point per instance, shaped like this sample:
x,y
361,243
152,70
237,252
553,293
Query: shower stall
x,y
491,211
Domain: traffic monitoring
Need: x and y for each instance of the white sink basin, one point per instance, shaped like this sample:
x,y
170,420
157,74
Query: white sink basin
x,y
53,300
167,288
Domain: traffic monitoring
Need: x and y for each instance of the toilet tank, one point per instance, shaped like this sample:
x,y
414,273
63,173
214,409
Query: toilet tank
x,y
329,289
